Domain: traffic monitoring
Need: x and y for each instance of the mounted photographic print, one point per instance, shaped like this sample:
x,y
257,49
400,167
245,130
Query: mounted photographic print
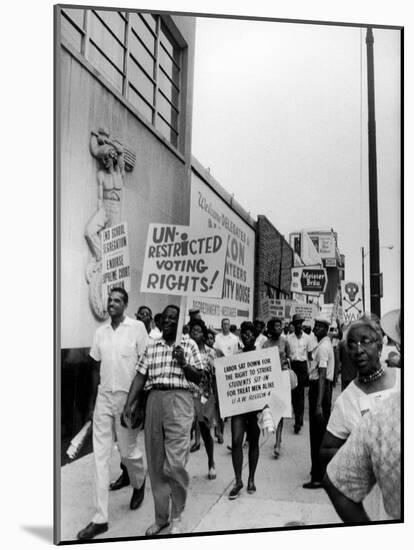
x,y
221,183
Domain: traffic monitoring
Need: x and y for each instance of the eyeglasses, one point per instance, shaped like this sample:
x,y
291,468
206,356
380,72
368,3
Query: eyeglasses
x,y
364,343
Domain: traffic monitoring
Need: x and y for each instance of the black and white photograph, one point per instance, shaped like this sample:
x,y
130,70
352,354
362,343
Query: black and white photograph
x,y
225,238
226,186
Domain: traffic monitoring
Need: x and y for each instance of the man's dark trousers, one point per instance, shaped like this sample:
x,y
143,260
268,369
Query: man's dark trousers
x,y
317,425
300,368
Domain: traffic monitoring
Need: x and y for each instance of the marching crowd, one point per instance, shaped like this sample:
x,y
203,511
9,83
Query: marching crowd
x,y
143,380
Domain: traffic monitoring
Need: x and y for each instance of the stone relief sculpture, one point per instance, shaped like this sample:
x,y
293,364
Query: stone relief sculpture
x,y
110,154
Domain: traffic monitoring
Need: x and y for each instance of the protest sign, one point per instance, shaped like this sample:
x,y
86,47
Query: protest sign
x,y
115,259
181,261
351,300
245,381
308,311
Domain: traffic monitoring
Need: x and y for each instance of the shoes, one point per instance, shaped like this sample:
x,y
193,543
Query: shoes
x,y
91,530
194,447
220,440
155,529
276,452
296,428
251,487
175,527
122,481
212,473
235,492
313,485
229,448
137,497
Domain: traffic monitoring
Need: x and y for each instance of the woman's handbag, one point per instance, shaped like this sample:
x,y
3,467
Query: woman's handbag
x,y
293,379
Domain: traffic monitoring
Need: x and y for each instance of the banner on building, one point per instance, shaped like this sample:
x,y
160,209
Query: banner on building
x,y
209,210
351,300
309,280
183,261
116,270
246,381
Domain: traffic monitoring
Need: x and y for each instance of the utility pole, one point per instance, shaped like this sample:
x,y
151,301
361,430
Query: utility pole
x,y
374,261
363,278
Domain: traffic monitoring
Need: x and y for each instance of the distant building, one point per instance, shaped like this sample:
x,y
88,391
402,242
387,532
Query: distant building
x,y
325,242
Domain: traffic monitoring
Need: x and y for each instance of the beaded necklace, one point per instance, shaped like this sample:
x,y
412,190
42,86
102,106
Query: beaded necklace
x,y
376,375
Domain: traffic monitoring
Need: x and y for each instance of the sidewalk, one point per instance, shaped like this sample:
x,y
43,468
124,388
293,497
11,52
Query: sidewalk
x,y
280,498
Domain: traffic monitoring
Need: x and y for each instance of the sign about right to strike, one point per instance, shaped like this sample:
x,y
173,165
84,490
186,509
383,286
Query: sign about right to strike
x,y
246,381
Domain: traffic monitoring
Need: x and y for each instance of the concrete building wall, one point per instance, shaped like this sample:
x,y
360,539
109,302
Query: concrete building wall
x,y
157,190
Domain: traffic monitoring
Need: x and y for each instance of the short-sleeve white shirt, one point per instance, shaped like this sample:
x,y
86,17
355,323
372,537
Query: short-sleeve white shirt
x,y
299,347
118,351
228,345
352,404
323,357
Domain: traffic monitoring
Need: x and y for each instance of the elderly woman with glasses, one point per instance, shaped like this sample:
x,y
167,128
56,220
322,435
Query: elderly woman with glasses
x,y
373,383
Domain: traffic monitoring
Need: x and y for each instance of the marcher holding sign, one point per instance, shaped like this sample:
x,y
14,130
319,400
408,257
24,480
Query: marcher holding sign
x,y
245,423
167,372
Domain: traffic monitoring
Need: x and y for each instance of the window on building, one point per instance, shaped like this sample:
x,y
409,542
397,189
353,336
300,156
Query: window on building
x,y
138,54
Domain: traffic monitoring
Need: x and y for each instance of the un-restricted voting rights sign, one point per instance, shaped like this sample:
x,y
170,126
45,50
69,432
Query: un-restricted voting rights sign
x,y
246,381
181,261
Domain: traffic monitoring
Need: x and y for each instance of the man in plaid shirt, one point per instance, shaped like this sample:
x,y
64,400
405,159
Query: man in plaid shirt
x,y
166,371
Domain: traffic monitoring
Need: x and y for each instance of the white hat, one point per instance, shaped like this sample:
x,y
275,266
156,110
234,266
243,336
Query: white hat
x,y
391,325
323,320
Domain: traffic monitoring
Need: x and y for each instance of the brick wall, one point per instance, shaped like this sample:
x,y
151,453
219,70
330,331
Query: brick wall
x,y
274,259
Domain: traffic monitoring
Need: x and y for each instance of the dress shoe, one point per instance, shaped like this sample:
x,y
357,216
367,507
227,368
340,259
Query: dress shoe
x,y
194,447
137,497
122,481
235,492
313,485
251,487
91,530
220,440
155,529
276,452
296,429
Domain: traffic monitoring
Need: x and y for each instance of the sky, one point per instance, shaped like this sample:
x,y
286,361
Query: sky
x,y
280,119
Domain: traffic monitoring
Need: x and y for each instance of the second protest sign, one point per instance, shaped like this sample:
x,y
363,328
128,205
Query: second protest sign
x,y
245,381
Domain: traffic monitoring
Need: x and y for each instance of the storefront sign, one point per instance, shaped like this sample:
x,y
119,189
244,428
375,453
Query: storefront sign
x,y
116,271
183,261
309,280
246,381
208,210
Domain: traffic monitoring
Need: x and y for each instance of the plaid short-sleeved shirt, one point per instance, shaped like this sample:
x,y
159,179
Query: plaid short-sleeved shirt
x,y
372,454
163,371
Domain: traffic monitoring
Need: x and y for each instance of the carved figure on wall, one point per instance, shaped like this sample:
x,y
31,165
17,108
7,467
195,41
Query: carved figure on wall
x,y
109,153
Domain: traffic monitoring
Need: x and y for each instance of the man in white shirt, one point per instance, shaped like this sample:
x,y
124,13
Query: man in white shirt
x,y
300,345
116,348
226,342
321,376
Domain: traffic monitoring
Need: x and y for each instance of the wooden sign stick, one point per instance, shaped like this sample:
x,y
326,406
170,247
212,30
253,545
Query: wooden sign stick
x,y
181,320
